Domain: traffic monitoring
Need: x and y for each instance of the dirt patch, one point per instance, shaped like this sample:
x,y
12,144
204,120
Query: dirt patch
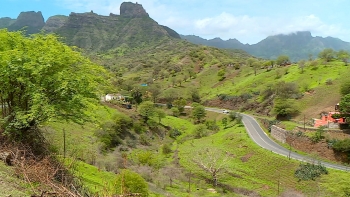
x,y
246,157
320,149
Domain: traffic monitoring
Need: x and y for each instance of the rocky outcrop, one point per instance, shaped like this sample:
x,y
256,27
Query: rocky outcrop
x,y
6,22
128,9
31,21
55,22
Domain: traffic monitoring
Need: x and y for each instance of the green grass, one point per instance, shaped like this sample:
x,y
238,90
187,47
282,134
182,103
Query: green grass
x,y
12,186
262,170
80,140
97,181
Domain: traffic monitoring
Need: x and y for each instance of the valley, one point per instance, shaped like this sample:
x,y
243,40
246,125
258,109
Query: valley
x,y
120,105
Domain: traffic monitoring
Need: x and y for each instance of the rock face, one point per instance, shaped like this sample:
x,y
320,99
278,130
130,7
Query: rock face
x,y
6,22
132,28
128,9
33,21
55,22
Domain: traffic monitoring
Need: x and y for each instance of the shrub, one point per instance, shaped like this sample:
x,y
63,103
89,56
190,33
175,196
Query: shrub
x,y
310,171
200,131
174,133
144,140
132,182
329,82
319,135
166,149
211,125
342,145
175,111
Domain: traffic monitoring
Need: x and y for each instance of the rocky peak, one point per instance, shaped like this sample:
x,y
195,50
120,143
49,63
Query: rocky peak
x,y
34,21
133,10
55,22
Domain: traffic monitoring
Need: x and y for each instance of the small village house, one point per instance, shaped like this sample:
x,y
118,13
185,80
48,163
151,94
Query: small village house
x,y
330,119
109,97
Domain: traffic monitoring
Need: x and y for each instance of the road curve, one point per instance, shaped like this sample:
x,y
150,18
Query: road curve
x,y
257,134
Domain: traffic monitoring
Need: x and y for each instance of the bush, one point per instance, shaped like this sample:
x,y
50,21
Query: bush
x,y
329,82
342,145
175,111
310,171
211,125
144,140
166,149
319,135
174,133
200,131
132,182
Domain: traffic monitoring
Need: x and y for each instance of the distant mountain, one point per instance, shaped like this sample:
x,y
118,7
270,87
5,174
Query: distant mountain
x,y
31,21
297,45
133,28
6,22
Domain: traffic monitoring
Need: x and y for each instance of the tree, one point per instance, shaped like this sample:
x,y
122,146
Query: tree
x,y
180,104
301,64
136,95
221,74
146,109
256,66
282,60
345,87
250,61
198,112
160,114
42,79
224,122
129,182
343,56
284,108
327,54
195,95
344,104
213,161
155,91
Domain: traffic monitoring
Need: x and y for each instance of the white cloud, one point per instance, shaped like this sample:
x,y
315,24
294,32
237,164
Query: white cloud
x,y
253,29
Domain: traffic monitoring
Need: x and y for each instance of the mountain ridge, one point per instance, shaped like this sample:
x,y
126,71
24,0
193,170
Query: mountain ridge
x,y
297,45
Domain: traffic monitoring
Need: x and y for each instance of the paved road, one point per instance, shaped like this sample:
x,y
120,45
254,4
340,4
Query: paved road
x,y
257,134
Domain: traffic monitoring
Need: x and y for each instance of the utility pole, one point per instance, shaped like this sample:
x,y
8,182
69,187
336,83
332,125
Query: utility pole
x,y
189,182
304,124
64,143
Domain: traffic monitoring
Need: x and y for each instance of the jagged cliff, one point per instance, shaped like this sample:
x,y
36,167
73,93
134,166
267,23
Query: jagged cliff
x,y
55,22
133,28
31,21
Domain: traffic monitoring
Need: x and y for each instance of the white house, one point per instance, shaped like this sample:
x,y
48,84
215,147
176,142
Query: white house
x,y
109,97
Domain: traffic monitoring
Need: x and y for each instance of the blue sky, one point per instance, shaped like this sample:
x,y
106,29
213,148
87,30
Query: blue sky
x,y
249,21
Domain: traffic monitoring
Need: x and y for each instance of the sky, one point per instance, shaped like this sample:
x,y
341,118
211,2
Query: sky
x,y
249,21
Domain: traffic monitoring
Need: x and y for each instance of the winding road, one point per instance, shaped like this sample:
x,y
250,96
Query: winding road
x,y
257,134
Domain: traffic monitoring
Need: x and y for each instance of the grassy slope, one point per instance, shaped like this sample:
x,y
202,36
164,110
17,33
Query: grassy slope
x,y
262,170
11,186
322,98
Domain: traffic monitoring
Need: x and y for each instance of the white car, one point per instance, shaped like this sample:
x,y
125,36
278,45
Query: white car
x,y
225,111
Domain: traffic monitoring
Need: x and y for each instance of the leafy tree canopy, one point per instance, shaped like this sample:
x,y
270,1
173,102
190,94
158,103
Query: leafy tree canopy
x,y
131,182
42,79
282,59
327,54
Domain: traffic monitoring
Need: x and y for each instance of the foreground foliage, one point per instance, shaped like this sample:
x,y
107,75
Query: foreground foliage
x,y
42,79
